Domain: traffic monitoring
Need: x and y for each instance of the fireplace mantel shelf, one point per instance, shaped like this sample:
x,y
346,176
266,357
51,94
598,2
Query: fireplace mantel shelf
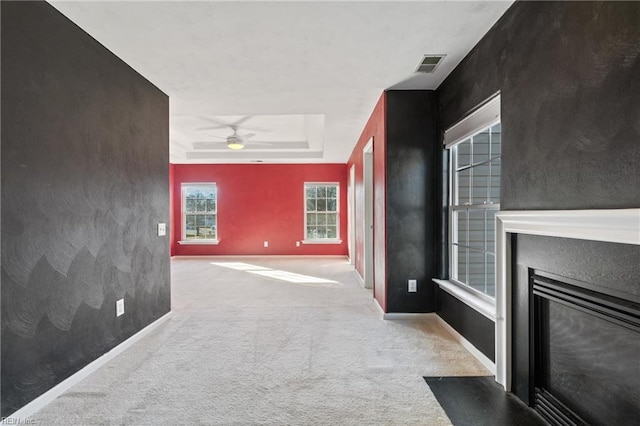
x,y
616,226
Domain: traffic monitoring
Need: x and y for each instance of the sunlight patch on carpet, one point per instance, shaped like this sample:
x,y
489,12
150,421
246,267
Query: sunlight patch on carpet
x,y
241,266
297,278
290,277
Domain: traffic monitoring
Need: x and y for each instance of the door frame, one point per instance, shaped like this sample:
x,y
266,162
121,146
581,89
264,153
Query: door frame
x,y
351,229
368,225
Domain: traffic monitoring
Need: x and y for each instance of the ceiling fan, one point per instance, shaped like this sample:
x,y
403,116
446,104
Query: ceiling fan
x,y
237,141
234,141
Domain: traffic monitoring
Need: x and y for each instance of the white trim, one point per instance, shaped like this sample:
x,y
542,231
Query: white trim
x,y
407,315
325,241
469,298
368,214
482,358
616,226
377,306
198,242
368,148
336,240
485,116
351,214
360,279
183,213
40,402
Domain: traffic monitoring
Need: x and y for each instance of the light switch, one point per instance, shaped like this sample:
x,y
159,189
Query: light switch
x,y
162,229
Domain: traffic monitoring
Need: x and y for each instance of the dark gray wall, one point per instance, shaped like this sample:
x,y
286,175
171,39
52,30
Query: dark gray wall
x,y
568,77
478,329
84,182
411,174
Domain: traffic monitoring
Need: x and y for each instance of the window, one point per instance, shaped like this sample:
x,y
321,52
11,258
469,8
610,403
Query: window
x,y
475,200
199,212
321,212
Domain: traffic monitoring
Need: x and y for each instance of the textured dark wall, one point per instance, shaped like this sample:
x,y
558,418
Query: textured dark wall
x,y
568,77
411,188
84,182
475,327
609,268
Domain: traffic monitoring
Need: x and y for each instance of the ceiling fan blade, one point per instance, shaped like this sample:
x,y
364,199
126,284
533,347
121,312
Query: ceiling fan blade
x,y
212,127
237,123
235,126
220,123
209,145
247,136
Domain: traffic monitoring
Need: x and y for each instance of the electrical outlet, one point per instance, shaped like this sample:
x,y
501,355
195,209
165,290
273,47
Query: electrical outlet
x,y
162,229
119,307
297,243
413,286
266,243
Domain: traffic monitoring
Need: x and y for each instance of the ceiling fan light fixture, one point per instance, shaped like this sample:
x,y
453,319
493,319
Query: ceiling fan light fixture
x,y
235,144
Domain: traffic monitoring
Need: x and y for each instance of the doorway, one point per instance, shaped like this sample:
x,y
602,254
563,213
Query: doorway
x,y
352,215
367,162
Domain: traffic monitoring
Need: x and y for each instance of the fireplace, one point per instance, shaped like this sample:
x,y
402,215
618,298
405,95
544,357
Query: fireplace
x,y
566,345
585,353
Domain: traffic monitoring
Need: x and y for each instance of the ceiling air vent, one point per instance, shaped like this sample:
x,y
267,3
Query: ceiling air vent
x,y
429,63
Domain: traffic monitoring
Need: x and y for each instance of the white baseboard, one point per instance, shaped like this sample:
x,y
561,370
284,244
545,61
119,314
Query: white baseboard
x,y
484,360
40,402
378,308
401,315
407,315
360,279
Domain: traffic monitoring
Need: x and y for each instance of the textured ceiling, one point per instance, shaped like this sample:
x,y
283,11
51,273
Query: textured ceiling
x,y
290,72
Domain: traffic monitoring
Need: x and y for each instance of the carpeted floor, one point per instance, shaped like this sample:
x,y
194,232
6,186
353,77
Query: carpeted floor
x,y
242,348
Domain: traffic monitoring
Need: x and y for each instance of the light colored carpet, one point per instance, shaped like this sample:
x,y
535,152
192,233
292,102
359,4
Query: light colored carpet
x,y
243,349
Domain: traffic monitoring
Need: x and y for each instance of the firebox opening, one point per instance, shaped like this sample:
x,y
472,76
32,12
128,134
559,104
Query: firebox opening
x,y
585,353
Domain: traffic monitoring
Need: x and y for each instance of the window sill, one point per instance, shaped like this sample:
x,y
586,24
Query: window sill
x,y
481,305
198,242
326,241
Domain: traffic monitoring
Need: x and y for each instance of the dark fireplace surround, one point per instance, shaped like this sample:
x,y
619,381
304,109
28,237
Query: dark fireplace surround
x,y
572,321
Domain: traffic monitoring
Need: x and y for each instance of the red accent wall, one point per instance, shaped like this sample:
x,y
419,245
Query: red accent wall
x,y
375,128
257,203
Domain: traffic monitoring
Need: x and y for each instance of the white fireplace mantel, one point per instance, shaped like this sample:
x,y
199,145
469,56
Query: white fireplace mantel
x,y
616,226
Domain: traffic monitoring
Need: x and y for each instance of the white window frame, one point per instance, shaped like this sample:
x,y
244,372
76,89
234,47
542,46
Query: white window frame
x,y
183,214
335,240
486,116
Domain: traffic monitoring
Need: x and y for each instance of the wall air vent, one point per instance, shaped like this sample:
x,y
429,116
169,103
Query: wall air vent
x,y
429,63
